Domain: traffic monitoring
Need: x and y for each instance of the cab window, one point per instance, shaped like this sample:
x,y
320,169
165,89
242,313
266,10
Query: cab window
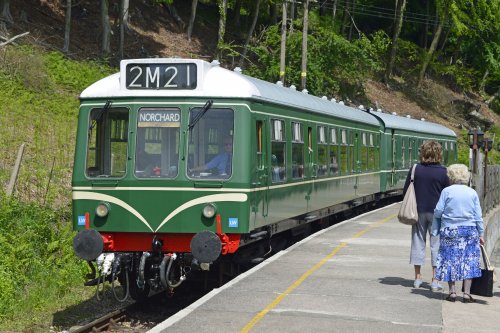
x,y
210,150
107,142
157,145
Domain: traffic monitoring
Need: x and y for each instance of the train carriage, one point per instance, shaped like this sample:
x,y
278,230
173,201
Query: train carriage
x,y
181,164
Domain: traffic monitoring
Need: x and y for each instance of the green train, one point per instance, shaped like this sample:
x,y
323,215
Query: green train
x,y
181,164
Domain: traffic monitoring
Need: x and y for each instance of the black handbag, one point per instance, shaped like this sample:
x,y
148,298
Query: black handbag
x,y
483,285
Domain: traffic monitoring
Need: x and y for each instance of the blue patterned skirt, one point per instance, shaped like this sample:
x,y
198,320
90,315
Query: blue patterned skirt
x,y
459,254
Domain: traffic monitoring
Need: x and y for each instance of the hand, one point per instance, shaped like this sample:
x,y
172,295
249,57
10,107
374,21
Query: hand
x,y
481,240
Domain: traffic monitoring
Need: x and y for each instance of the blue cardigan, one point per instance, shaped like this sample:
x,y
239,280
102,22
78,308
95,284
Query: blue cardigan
x,y
430,180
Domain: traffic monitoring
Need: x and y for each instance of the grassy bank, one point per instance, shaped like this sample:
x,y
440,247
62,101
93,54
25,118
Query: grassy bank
x,y
39,273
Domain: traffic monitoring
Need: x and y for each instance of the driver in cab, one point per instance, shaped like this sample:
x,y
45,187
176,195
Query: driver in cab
x,y
221,162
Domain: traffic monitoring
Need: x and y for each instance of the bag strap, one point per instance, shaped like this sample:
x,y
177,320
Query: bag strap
x,y
413,173
486,260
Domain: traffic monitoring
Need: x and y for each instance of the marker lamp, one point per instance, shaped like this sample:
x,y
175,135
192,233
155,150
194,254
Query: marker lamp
x,y
102,209
209,211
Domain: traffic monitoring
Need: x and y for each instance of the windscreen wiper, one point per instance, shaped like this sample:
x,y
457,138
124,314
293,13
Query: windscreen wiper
x,y
99,115
204,109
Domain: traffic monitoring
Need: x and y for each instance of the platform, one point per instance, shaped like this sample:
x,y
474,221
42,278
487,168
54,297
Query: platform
x,y
352,277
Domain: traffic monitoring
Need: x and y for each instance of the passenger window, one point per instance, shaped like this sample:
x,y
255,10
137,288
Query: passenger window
x,y
278,149
322,152
343,153
297,151
364,152
107,142
334,153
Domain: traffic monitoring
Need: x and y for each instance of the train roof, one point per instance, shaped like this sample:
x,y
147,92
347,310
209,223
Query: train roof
x,y
213,81
404,123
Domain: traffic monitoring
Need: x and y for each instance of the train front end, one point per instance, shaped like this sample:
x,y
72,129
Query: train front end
x,y
149,203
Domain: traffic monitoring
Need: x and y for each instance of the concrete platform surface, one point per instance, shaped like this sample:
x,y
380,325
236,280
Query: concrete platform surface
x,y
352,277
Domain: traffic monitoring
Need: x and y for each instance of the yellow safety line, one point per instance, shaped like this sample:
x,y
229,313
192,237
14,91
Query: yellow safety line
x,y
304,276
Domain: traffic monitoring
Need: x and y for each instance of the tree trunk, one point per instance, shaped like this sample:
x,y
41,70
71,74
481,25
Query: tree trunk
x,y
483,81
194,5
352,19
106,29
345,17
125,16
123,11
237,15
400,8
432,48
334,9
250,33
5,11
292,16
222,26
445,39
67,26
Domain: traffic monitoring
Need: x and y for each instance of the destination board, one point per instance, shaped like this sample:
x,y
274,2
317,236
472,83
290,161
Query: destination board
x,y
160,76
151,117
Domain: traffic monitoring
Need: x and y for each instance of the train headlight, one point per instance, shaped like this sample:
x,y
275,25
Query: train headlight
x,y
209,211
102,209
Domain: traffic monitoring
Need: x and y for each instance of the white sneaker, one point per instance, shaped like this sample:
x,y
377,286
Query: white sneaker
x,y
435,287
417,283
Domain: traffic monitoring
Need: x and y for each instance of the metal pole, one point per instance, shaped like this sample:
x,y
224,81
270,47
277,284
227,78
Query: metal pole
x,y
283,45
474,152
304,47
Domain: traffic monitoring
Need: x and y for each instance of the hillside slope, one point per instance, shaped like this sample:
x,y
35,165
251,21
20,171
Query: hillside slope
x,y
155,33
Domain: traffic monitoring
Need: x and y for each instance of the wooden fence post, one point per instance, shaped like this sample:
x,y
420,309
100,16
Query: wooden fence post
x,y
15,171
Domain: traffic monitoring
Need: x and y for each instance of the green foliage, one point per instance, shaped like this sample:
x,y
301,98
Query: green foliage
x,y
76,75
460,77
37,264
328,72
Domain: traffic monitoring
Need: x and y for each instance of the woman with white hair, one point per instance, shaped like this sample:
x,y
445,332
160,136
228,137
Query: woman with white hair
x,y
459,223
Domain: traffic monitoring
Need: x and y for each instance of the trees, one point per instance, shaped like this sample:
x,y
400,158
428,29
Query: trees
x,y
398,23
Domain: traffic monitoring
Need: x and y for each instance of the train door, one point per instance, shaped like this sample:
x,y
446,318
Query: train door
x,y
356,159
262,171
393,159
312,170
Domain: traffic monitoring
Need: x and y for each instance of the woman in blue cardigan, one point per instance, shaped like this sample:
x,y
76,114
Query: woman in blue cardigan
x,y
458,220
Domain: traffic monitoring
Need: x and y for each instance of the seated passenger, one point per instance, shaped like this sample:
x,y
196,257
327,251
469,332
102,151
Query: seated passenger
x,y
222,162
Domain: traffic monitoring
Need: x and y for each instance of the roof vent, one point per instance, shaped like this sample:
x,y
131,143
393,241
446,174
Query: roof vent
x,y
422,119
305,91
379,110
341,103
237,70
361,107
394,114
408,116
293,87
334,100
371,110
215,62
325,98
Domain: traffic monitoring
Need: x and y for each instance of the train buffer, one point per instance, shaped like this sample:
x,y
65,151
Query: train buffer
x,y
352,277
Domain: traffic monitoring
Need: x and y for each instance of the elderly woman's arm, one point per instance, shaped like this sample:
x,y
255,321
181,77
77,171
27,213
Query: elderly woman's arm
x,y
438,212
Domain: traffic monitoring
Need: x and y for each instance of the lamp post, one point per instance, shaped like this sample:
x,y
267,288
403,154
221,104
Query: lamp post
x,y
487,146
475,138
